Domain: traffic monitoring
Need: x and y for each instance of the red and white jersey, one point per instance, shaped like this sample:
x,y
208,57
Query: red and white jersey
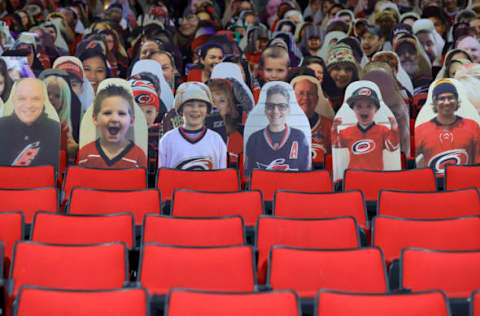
x,y
366,145
321,139
180,151
92,156
440,145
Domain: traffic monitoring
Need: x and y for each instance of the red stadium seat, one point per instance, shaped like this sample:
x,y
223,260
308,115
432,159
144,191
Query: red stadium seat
x,y
248,204
371,182
475,303
340,232
309,270
459,177
429,205
102,202
29,201
321,205
38,301
191,302
304,181
104,179
94,267
194,232
27,177
11,231
392,234
454,272
208,268
83,229
333,303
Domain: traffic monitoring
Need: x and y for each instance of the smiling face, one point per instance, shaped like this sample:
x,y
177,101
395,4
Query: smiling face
x,y
365,110
371,43
114,120
194,113
277,110
213,57
445,105
342,75
275,69
95,70
28,100
307,96
471,45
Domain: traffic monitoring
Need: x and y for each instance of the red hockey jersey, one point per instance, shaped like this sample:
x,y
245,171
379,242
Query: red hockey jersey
x,y
92,156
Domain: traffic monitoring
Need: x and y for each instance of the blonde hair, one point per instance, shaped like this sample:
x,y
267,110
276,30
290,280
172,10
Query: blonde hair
x,y
65,96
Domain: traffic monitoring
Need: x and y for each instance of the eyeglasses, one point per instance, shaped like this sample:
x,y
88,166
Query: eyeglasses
x,y
280,106
448,98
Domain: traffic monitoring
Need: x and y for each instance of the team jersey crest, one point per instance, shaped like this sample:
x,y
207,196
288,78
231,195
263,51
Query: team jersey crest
x,y
277,165
200,163
449,157
27,155
363,146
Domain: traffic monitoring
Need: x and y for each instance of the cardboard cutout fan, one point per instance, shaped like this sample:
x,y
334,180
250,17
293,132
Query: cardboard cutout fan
x,y
447,128
364,132
277,133
90,135
18,67
29,128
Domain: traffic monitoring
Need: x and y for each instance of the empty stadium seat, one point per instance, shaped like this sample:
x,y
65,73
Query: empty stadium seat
x,y
11,230
83,229
340,232
248,204
39,301
475,303
106,179
429,205
462,176
371,182
321,205
94,267
27,177
392,234
29,201
334,303
204,268
222,180
309,270
190,302
269,181
181,231
92,201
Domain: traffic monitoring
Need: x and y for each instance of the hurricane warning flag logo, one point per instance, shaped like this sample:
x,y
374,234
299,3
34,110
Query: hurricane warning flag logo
x,y
449,157
363,146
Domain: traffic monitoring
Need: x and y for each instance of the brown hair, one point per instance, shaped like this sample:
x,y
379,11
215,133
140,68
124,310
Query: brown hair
x,y
112,91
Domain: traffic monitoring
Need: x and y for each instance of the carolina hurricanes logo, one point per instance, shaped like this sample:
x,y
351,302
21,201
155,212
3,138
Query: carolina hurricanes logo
x,y
276,165
92,44
365,91
317,149
196,164
363,146
27,155
449,157
446,137
143,99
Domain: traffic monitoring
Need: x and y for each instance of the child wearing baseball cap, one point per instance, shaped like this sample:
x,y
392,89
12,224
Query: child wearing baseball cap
x,y
192,146
365,140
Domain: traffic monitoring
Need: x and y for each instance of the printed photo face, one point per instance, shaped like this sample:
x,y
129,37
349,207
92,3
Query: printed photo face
x,y
364,111
194,114
28,101
307,96
276,110
114,119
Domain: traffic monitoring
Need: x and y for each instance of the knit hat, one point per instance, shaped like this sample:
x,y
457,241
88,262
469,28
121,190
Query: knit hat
x,y
444,86
145,94
70,66
192,91
340,53
363,93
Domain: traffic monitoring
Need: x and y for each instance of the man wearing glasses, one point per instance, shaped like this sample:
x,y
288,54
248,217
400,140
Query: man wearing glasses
x,y
277,146
447,138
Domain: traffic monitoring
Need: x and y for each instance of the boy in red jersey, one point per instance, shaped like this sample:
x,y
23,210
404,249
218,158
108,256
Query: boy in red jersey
x,y
366,140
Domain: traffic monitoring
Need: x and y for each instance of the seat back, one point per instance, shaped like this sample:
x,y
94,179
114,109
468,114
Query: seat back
x,y
83,229
189,302
222,180
321,205
207,268
38,301
475,303
27,177
269,181
357,270
454,272
333,303
462,176
371,182
105,179
102,202
11,231
95,267
29,201
392,234
429,205
340,232
248,204
194,232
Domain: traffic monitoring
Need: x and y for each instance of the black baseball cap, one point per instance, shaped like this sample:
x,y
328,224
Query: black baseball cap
x,y
364,93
